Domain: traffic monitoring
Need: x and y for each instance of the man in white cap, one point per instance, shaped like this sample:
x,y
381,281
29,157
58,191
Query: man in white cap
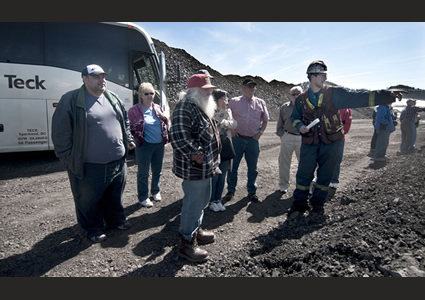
x,y
196,148
91,136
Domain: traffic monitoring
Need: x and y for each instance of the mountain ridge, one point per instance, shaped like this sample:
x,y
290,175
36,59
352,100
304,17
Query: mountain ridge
x,y
275,92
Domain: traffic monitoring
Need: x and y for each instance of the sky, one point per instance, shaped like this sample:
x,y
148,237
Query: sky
x,y
359,55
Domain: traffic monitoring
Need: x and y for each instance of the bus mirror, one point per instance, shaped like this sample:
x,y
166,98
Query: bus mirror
x,y
162,66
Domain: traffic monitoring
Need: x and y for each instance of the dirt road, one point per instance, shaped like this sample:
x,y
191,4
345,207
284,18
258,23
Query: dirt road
x,y
40,237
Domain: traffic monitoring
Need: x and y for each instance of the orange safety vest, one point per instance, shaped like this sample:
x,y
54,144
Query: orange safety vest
x,y
330,127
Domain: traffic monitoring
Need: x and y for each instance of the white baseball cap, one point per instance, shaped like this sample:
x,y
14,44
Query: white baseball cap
x,y
93,70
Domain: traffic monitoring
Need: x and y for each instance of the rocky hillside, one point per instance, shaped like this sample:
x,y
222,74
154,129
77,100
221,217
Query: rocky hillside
x,y
275,93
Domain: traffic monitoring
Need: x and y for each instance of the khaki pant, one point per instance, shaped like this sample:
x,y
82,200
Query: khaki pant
x,y
289,144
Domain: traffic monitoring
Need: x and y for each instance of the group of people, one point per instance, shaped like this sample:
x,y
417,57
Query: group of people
x,y
384,122
93,133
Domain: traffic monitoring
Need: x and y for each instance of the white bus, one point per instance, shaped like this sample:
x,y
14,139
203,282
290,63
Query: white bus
x,y
39,62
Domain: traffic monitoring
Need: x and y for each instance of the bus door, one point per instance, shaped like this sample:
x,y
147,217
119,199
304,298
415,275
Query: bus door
x,y
24,125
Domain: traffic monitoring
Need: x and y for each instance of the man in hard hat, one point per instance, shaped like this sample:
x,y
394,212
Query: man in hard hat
x,y
321,143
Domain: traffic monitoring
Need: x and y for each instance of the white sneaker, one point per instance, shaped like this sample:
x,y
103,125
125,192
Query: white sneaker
x,y
220,205
310,191
146,203
214,207
157,197
333,185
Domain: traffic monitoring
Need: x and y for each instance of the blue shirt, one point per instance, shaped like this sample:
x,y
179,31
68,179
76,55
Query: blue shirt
x,y
152,128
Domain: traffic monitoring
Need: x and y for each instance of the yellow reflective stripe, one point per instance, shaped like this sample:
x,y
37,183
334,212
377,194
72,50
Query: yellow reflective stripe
x,y
309,103
319,103
321,187
302,187
296,122
372,98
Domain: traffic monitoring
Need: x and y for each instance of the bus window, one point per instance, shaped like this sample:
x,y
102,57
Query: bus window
x,y
143,72
28,50
72,45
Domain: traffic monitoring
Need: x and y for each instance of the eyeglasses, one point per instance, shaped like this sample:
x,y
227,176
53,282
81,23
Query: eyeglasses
x,y
295,94
147,94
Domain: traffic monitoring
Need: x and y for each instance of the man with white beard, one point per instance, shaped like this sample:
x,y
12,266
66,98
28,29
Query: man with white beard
x,y
196,148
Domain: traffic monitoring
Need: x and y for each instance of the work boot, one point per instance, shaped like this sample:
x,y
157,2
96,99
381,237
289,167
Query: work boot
x,y
204,237
190,250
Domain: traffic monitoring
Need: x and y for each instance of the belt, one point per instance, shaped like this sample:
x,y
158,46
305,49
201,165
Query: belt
x,y
244,136
290,132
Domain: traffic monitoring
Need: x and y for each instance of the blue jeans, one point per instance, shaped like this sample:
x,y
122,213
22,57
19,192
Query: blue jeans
x,y
325,157
251,149
197,194
98,196
218,181
149,156
382,141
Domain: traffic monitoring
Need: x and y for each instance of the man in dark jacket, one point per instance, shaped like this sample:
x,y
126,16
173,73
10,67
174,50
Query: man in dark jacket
x,y
316,116
91,136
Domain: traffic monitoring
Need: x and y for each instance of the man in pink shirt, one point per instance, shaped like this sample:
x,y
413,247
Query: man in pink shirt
x,y
252,117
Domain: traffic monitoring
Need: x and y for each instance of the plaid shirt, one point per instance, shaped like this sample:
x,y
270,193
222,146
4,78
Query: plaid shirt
x,y
409,113
192,132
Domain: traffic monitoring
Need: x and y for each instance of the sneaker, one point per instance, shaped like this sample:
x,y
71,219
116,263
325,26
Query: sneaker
x,y
124,226
228,196
220,205
371,153
283,190
333,185
98,238
253,197
157,197
214,206
146,203
311,189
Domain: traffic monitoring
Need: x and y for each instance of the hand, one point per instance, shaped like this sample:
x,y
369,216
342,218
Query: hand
x,y
131,145
398,94
198,158
304,129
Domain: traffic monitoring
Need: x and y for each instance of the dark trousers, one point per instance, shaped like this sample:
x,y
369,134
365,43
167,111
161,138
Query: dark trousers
x,y
325,157
98,196
373,141
407,135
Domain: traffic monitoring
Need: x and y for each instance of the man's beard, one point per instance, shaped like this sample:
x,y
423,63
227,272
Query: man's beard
x,y
206,104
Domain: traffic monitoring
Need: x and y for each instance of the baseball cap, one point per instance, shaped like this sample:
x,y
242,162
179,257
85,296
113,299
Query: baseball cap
x,y
201,81
249,81
93,70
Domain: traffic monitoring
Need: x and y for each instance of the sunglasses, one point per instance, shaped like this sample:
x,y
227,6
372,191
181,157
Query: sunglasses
x,y
295,94
147,94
